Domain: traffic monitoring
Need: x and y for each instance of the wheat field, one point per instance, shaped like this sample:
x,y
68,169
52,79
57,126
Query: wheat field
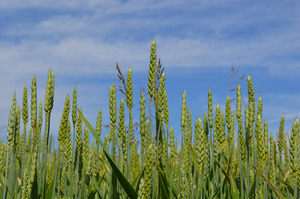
x,y
226,154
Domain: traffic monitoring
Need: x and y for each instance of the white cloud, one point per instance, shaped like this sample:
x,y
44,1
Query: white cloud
x,y
87,39
84,39
58,4
72,56
206,53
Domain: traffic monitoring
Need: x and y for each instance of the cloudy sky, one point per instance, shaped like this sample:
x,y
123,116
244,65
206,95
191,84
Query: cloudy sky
x,y
198,43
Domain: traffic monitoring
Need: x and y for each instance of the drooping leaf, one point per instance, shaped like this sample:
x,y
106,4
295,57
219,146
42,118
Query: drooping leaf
x,y
122,179
271,185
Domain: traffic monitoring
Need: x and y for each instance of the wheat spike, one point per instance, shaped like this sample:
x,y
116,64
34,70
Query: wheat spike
x,y
152,71
25,108
39,123
286,153
183,112
62,134
294,150
112,112
146,188
259,107
142,124
172,148
33,103
166,109
281,139
99,123
260,150
210,110
49,96
272,171
11,127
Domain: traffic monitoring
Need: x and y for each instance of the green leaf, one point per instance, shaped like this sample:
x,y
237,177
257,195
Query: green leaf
x,y
137,180
168,183
123,181
233,187
195,159
91,193
163,185
50,190
2,179
96,185
272,186
289,187
35,186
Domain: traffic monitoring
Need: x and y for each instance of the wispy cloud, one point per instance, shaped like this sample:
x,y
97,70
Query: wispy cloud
x,y
82,39
193,34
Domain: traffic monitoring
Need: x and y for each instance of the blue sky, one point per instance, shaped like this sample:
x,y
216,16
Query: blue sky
x,y
198,43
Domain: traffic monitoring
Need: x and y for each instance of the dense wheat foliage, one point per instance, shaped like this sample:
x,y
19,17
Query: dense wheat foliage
x,y
227,153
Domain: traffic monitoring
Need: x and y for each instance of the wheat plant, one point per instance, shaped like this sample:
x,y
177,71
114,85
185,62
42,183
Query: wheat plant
x,y
227,153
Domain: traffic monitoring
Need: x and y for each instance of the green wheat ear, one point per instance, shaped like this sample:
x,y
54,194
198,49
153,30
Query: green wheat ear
x,y
294,150
79,146
281,139
99,123
272,168
260,140
33,103
205,123
183,111
206,167
242,141
129,100
286,152
112,114
217,133
25,107
74,106
68,152
259,107
232,133
11,127
146,187
186,175
210,110
140,193
135,161
121,128
62,134
152,71
228,113
161,101
121,122
238,103
266,137
79,132
148,134
49,96
230,126
17,130
260,150
166,109
200,144
172,148
143,124
39,123
220,128
251,100
129,94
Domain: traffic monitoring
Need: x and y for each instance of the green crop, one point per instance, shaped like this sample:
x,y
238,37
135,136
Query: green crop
x,y
226,154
